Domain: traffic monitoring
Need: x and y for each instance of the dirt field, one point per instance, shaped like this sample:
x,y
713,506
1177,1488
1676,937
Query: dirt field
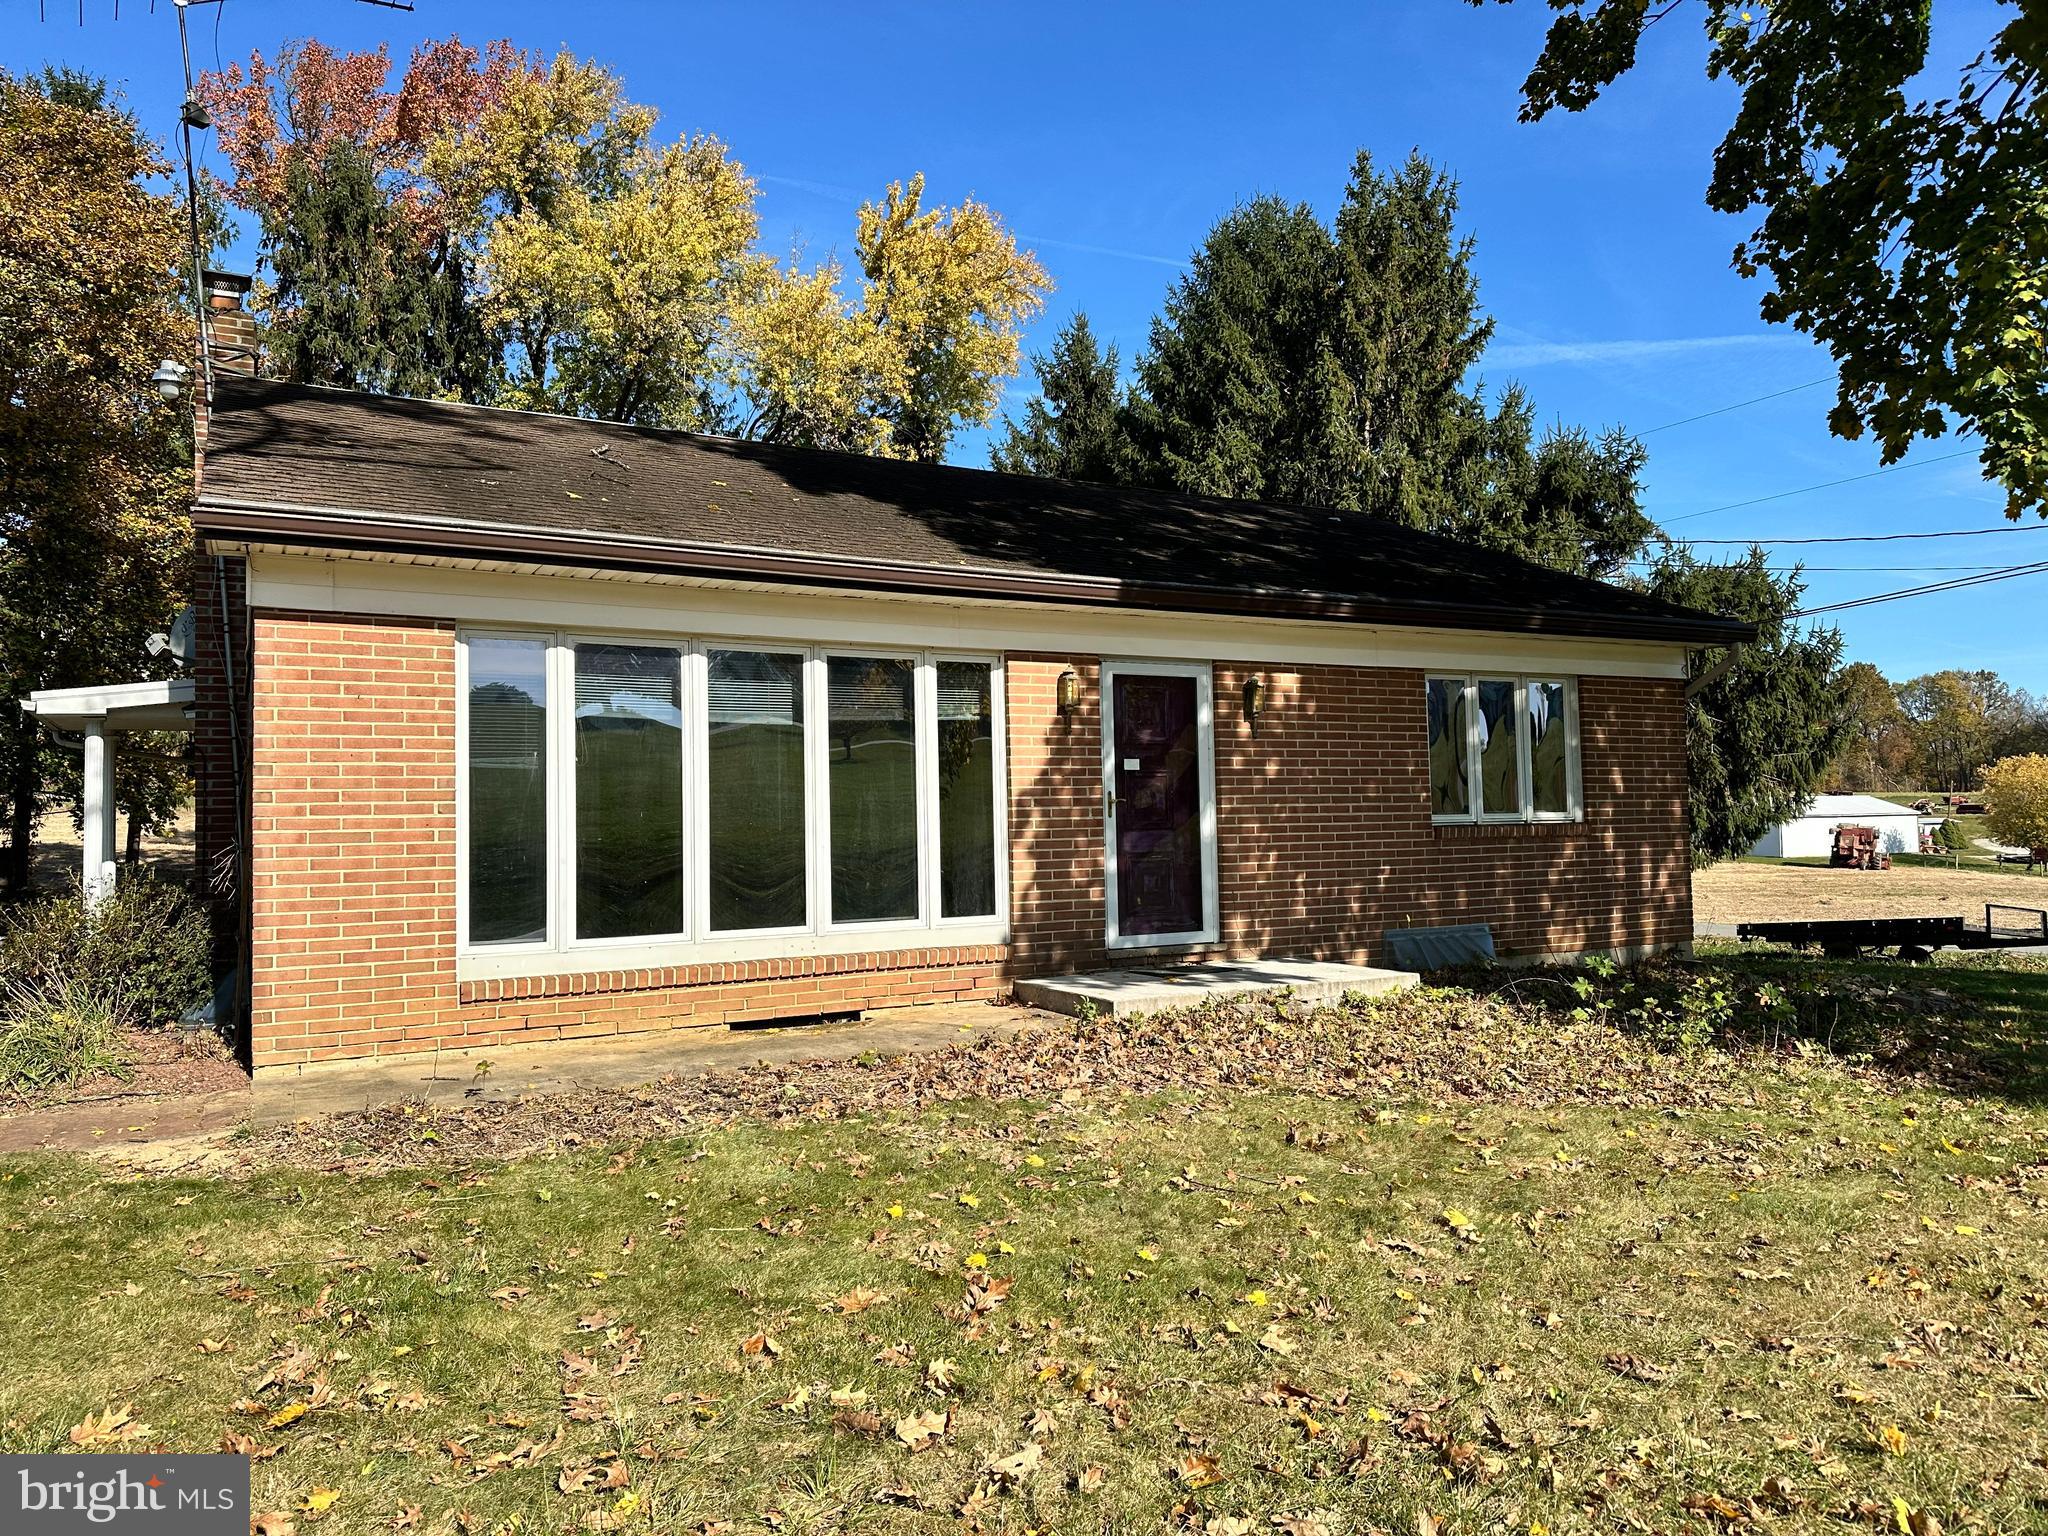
x,y
1757,893
54,862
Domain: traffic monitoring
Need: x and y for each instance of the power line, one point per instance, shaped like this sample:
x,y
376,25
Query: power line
x,y
1883,538
1889,469
1723,410
1895,570
2007,574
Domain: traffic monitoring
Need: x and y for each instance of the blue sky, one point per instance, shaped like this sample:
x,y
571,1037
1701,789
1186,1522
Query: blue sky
x,y
1111,136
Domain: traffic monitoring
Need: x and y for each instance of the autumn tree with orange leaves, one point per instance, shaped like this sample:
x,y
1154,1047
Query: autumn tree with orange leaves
x,y
503,227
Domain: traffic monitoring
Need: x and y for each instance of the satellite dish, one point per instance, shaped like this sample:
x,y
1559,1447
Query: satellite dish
x,y
178,640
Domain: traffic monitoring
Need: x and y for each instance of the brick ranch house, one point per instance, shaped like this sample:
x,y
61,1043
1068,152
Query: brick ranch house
x,y
536,728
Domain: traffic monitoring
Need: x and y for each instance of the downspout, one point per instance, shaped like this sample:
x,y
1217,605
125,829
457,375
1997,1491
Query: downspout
x,y
244,924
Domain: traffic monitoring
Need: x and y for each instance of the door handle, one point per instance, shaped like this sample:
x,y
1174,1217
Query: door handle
x,y
1108,804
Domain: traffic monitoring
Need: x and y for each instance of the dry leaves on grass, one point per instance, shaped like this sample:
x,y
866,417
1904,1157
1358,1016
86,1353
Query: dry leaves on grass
x,y
112,1426
1440,1044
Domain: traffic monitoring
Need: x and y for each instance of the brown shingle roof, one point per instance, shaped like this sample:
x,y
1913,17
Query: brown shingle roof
x,y
336,469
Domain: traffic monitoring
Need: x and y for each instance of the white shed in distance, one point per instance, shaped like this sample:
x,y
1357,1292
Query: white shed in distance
x,y
1812,835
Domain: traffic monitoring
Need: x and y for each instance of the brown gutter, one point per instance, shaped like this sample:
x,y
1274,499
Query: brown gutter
x,y
314,529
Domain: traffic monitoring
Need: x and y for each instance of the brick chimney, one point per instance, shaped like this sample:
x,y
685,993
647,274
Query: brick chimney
x,y
231,329
232,344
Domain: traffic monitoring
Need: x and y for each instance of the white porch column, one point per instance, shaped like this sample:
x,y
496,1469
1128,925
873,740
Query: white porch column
x,y
99,814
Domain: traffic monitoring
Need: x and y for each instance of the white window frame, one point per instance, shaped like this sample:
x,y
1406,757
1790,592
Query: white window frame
x,y
924,743
563,850
1203,674
550,754
562,952
999,727
1474,813
698,749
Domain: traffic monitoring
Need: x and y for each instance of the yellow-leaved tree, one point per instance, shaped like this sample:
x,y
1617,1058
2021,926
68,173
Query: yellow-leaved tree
x,y
2016,792
624,279
602,273
944,296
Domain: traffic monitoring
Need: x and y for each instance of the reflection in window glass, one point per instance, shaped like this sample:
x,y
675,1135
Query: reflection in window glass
x,y
508,791
1548,752
1449,794
967,791
629,791
1500,767
871,753
754,770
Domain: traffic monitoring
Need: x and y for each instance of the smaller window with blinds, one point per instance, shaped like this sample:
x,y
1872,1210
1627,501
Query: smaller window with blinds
x,y
1503,749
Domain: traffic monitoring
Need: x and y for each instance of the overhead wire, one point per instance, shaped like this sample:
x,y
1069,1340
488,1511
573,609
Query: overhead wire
x,y
1882,538
2009,573
1889,469
1723,410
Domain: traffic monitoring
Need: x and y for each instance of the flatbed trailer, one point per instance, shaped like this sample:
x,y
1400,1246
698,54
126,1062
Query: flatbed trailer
x,y
1915,938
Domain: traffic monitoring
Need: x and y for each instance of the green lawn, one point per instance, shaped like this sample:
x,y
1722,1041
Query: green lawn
x,y
1489,1260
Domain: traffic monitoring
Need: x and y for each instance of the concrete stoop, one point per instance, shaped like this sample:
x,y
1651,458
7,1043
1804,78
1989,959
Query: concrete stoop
x,y
1128,993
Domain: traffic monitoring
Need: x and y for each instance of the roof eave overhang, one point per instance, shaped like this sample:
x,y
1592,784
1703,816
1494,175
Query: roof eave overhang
x,y
316,529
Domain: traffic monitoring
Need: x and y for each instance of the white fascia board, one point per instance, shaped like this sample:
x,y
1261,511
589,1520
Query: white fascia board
x,y
160,705
582,601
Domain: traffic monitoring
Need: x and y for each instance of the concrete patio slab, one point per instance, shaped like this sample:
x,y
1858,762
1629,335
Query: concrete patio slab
x,y
1127,993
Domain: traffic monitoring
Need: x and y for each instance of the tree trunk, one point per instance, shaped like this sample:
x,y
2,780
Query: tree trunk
x,y
132,855
22,820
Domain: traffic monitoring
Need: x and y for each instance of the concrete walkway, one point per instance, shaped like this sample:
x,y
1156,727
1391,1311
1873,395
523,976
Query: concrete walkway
x,y
505,1072
1129,993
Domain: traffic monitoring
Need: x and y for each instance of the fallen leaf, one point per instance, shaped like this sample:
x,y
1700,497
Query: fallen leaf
x,y
1013,1469
921,1431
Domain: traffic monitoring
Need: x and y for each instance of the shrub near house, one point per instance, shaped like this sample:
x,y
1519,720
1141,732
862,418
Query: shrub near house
x,y
71,981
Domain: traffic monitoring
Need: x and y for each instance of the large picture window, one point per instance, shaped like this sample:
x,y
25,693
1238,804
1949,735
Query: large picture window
x,y
1503,749
647,801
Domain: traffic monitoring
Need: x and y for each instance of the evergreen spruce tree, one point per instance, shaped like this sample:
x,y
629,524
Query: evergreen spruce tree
x,y
1326,365
1763,734
362,300
1075,428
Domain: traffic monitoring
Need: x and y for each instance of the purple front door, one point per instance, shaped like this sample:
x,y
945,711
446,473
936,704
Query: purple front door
x,y
1157,812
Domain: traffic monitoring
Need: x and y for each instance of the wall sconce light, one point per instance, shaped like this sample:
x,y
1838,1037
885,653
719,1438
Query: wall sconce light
x,y
1068,695
1254,701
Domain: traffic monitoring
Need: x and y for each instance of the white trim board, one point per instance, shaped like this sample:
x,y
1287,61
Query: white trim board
x,y
751,612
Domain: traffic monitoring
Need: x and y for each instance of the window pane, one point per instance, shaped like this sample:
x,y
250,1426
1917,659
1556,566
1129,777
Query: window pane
x,y
754,769
1548,748
508,791
967,791
872,751
1448,793
629,791
1500,773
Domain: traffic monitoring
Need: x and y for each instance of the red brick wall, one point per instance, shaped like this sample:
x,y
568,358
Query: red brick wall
x,y
353,879
1324,841
1056,881
1323,833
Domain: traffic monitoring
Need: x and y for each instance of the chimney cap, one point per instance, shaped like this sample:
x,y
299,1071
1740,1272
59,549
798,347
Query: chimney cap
x,y
216,281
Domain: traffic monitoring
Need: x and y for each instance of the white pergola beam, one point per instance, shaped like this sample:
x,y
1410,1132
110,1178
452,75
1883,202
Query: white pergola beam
x,y
96,713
